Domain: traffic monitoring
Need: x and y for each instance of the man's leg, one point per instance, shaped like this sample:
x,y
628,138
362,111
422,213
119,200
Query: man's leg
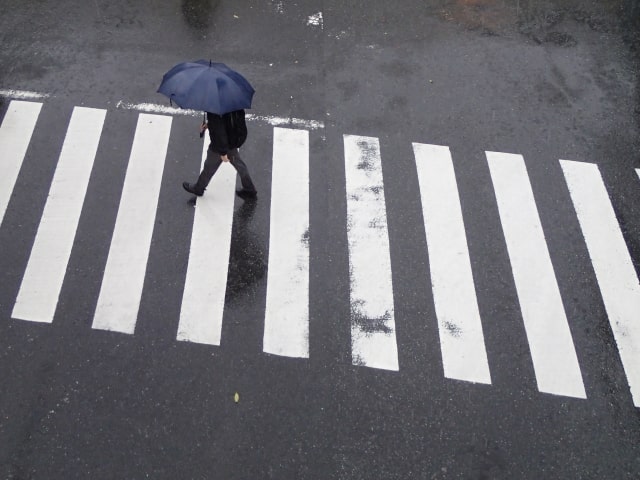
x,y
243,171
211,165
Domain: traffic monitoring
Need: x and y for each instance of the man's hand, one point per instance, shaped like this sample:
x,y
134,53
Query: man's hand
x,y
224,158
203,127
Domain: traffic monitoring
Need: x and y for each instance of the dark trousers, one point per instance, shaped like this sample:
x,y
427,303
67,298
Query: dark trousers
x,y
212,163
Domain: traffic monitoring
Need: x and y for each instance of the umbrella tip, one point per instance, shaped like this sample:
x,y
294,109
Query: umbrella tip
x,y
209,62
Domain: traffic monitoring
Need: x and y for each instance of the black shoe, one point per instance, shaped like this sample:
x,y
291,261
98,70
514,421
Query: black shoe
x,y
247,194
191,188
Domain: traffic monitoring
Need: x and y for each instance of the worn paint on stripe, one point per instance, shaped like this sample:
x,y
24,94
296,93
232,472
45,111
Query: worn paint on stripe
x,y
373,337
121,289
464,356
206,282
552,350
286,329
611,261
42,281
15,135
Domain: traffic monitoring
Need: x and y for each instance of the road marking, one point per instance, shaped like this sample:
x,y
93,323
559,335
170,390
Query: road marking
x,y
154,108
158,109
206,282
373,338
611,261
552,349
286,121
315,20
42,281
121,289
464,356
23,94
268,119
286,329
15,135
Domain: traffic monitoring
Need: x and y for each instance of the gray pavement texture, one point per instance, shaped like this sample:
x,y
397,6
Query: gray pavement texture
x,y
546,79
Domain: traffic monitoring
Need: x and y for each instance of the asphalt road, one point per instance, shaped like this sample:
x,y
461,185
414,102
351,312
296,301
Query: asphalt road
x,y
548,80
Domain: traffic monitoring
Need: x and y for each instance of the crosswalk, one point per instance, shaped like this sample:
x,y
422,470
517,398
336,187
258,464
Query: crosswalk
x,y
371,295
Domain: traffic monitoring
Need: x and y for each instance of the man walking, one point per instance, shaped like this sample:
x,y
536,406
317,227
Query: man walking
x,y
227,132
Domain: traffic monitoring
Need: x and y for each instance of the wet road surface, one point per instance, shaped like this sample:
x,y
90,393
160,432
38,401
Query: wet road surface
x,y
550,81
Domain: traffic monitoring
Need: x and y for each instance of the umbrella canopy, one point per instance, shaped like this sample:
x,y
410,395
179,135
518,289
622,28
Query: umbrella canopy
x,y
210,87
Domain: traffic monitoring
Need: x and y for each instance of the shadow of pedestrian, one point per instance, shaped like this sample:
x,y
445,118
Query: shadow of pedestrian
x,y
247,262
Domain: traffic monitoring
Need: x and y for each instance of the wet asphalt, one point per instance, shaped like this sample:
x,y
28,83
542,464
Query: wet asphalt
x,y
546,79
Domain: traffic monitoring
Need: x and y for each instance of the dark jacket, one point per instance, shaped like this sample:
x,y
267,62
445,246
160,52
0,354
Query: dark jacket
x,y
226,131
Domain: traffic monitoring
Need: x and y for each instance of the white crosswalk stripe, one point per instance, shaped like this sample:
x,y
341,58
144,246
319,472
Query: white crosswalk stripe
x,y
463,351
373,336
205,285
121,289
372,320
286,325
611,261
42,281
554,357
15,135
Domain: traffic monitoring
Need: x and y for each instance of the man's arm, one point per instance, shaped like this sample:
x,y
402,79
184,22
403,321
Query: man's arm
x,y
218,135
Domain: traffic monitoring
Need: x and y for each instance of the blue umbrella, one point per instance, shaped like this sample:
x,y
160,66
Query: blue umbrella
x,y
206,86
